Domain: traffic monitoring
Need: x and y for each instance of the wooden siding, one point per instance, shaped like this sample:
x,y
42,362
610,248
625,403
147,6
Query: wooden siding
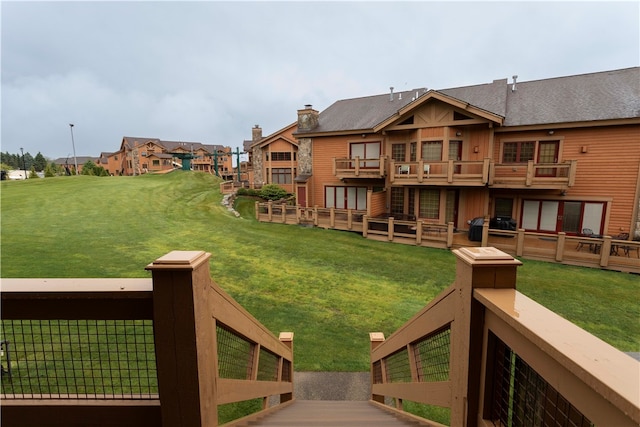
x,y
283,146
324,151
607,171
378,204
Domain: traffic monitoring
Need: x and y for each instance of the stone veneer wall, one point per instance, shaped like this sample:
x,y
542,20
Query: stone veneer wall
x,y
257,166
304,156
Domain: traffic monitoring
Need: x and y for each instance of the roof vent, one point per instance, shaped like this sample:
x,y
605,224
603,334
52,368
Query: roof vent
x,y
513,88
391,94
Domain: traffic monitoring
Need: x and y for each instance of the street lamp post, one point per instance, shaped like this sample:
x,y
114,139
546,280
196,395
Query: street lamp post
x,y
24,165
75,159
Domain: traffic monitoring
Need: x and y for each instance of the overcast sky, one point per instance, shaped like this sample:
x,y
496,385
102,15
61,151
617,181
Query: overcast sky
x,y
209,71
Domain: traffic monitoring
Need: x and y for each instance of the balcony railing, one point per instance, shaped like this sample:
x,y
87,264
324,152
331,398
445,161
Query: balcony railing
x,y
345,168
533,175
135,352
451,172
461,172
495,357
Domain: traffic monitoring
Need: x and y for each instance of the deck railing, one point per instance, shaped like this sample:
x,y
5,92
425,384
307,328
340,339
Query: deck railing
x,y
533,175
495,357
449,172
600,252
358,167
143,352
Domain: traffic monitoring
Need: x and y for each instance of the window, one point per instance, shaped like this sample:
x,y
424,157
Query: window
x,y
346,197
567,216
504,207
155,162
279,156
397,200
518,152
366,150
429,204
281,176
398,152
432,151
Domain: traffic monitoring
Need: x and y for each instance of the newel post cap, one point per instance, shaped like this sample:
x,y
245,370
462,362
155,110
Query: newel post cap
x,y
485,256
180,260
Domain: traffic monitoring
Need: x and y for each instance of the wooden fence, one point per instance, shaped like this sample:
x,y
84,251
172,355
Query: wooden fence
x,y
141,352
604,252
495,357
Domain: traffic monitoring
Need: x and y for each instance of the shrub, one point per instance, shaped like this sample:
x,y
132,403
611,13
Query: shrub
x,y
248,192
273,192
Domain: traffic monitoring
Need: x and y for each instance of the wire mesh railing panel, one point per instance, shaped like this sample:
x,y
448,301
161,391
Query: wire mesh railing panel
x,y
521,397
377,372
286,371
79,359
432,356
235,355
267,366
397,367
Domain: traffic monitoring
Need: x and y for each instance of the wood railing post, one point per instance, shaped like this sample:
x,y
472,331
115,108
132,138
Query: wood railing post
x,y
270,210
365,225
332,217
257,208
375,339
419,225
450,228
485,232
484,267
185,339
520,241
287,339
605,251
284,213
390,229
560,245
530,173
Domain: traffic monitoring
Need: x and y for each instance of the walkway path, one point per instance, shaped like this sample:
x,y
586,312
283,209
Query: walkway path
x,y
326,413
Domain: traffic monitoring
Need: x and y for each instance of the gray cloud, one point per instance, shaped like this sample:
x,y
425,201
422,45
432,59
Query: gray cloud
x,y
209,71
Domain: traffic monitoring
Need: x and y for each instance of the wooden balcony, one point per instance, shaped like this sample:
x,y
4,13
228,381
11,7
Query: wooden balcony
x,y
450,172
345,168
543,176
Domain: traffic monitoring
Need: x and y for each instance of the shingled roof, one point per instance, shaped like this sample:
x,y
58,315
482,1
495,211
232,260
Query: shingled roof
x,y
607,95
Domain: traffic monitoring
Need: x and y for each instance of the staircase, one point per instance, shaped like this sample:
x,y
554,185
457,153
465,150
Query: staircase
x,y
328,413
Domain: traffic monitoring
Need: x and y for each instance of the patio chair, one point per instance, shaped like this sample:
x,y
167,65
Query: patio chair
x,y
403,170
586,232
615,248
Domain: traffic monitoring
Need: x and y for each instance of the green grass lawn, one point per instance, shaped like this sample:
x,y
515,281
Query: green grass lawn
x,y
331,288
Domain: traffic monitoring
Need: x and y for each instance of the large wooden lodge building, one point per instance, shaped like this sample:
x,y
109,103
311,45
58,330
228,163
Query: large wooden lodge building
x,y
555,155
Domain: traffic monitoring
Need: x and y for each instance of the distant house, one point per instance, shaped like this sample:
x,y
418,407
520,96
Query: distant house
x,y
68,163
144,155
111,162
555,155
274,158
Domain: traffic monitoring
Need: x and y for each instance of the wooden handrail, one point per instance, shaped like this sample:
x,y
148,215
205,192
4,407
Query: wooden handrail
x,y
188,311
483,308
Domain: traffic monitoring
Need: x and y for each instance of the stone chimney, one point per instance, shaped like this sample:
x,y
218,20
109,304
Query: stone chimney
x,y
307,118
256,133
